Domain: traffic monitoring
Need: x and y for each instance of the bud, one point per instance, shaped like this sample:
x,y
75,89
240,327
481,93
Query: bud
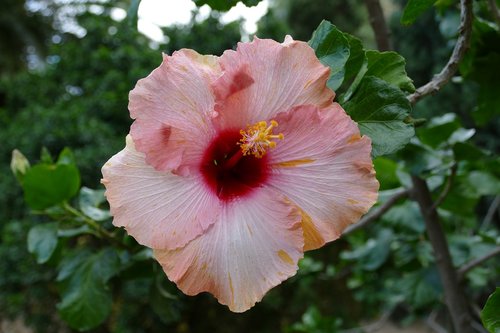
x,y
19,164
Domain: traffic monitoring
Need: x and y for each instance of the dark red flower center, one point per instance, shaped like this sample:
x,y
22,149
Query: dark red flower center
x,y
227,172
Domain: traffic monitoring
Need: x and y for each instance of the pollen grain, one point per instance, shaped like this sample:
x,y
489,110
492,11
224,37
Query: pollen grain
x,y
258,138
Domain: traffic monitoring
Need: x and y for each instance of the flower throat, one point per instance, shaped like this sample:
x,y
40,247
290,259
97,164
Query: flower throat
x,y
235,162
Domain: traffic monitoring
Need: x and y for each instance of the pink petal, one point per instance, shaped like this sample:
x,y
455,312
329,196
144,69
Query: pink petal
x,y
284,75
323,165
254,246
159,209
173,108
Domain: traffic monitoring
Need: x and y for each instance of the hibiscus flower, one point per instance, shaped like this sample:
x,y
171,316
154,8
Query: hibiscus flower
x,y
236,165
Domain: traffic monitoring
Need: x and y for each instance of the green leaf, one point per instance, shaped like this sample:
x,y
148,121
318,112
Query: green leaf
x,y
89,201
373,253
86,299
421,287
356,58
461,200
66,157
82,230
483,183
414,8
162,303
490,315
224,5
467,152
380,111
390,67
419,159
47,185
45,156
438,130
461,135
42,241
386,173
477,65
332,49
406,218
132,12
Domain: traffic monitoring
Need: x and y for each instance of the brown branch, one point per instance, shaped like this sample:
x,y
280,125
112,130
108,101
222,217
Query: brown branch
x,y
379,26
372,216
492,6
447,187
454,297
439,80
476,262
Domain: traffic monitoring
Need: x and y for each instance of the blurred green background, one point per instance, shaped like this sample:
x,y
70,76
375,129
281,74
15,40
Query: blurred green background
x,y
67,87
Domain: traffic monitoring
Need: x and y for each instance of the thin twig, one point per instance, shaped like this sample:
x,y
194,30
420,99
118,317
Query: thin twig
x,y
454,296
491,212
439,80
371,327
476,310
372,216
476,262
494,10
478,327
91,223
433,324
379,25
447,187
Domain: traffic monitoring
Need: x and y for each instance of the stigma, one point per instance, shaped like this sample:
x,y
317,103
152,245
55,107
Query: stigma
x,y
258,138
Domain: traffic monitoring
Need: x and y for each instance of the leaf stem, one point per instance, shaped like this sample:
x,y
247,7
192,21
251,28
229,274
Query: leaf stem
x,y
447,187
91,223
476,262
376,214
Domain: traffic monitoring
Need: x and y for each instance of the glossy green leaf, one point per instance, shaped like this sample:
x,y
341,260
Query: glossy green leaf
x,y
162,300
66,157
42,241
86,299
421,287
406,218
47,185
386,173
356,58
380,111
332,49
82,230
478,65
468,152
461,200
373,253
490,315
89,201
390,67
461,135
414,8
483,183
438,130
225,5
45,156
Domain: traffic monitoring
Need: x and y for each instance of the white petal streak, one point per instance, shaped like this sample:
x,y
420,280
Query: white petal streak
x,y
159,209
254,246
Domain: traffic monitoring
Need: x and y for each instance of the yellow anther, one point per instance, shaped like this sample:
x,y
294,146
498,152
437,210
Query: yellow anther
x,y
257,138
